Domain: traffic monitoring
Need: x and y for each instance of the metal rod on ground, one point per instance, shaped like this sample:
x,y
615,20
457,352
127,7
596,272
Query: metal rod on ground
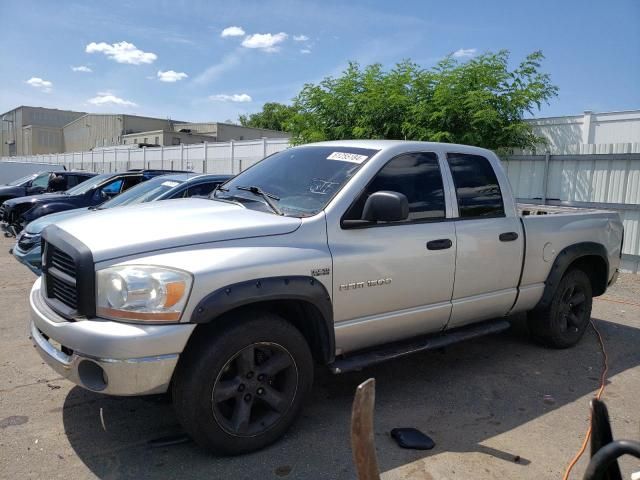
x,y
362,437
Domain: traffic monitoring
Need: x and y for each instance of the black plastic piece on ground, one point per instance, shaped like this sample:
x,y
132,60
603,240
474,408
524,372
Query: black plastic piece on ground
x,y
412,438
359,360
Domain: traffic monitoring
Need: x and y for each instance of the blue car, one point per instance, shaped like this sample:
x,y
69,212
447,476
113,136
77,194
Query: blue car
x,y
28,250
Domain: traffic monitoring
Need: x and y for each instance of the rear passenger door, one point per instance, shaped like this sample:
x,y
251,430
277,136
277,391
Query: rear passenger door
x,y
490,243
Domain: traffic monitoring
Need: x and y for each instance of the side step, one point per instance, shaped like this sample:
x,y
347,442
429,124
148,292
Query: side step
x,y
389,351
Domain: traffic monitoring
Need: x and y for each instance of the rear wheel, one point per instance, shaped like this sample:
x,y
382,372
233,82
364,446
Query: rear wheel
x,y
563,323
241,388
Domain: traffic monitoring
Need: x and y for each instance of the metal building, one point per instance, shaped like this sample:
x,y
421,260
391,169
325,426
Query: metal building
x,y
94,130
224,132
33,130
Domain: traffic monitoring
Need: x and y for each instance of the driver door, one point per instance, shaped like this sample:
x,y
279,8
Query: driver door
x,y
394,280
38,184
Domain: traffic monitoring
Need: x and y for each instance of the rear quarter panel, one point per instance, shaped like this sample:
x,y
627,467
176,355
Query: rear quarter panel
x,y
548,235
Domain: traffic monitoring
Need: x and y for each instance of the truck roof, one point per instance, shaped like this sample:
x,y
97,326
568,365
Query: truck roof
x,y
391,144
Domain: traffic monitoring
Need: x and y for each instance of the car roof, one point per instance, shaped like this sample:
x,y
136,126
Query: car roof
x,y
210,176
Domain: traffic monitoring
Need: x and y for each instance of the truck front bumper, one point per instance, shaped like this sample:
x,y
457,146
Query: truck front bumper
x,y
105,356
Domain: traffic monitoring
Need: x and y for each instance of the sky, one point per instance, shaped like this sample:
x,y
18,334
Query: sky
x,y
203,60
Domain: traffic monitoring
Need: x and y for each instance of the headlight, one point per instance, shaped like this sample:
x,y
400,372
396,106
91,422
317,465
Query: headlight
x,y
142,293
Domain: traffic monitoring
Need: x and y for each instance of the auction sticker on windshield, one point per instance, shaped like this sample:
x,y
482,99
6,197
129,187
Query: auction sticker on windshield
x,y
347,157
169,183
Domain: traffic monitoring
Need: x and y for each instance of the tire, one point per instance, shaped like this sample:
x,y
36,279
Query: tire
x,y
261,364
563,323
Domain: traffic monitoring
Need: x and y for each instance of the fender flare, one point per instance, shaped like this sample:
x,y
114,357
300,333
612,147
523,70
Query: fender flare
x,y
563,260
271,289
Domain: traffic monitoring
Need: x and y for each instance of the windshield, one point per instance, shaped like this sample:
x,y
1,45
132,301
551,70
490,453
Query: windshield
x,y
144,192
22,181
87,185
301,180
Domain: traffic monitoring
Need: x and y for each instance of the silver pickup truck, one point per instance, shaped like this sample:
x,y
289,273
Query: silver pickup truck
x,y
342,254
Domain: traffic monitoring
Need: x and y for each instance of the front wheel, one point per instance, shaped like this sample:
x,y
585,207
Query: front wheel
x,y
563,323
240,389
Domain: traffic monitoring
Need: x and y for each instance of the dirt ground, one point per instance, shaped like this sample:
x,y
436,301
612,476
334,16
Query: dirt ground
x,y
497,407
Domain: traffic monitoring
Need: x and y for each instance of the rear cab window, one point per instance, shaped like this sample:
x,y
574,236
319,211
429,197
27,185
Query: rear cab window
x,y
477,188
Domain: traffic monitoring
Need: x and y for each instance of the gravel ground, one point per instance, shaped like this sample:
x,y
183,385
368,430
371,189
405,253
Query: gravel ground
x,y
497,407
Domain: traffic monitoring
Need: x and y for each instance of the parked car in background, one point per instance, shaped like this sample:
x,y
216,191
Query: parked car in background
x,y
343,254
18,212
27,249
42,182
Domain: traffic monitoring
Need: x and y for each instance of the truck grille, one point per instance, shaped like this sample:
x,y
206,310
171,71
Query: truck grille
x,y
62,262
62,291
61,277
68,272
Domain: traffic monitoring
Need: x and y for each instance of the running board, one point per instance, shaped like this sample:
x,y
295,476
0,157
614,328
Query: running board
x,y
366,358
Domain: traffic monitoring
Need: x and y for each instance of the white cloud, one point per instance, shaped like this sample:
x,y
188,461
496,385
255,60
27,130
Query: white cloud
x,y
42,85
232,32
265,41
464,52
300,38
122,52
108,98
82,68
236,97
305,50
171,76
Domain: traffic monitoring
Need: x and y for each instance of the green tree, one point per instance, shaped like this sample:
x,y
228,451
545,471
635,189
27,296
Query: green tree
x,y
478,102
274,116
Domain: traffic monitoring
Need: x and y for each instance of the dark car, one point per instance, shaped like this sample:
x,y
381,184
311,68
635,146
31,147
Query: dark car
x,y
182,185
42,182
18,212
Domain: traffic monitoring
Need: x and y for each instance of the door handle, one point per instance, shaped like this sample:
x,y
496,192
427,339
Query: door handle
x,y
441,244
508,236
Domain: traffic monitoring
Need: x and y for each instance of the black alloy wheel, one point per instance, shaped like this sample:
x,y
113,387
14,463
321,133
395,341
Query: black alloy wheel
x,y
255,388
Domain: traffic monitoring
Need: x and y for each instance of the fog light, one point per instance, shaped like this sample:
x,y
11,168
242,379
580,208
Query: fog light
x,y
92,375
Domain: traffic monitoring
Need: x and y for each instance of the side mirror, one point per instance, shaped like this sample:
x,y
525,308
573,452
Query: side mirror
x,y
382,206
386,206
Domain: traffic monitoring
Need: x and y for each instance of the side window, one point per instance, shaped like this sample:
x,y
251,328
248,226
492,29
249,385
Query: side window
x,y
417,175
72,181
202,189
477,187
112,188
130,182
41,181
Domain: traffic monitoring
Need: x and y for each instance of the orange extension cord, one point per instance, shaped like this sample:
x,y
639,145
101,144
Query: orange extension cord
x,y
603,378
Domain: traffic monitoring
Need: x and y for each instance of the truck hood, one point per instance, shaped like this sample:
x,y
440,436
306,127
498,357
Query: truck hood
x,y
38,225
120,232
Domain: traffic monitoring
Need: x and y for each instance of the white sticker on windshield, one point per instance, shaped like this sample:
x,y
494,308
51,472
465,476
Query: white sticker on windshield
x,y
170,184
347,157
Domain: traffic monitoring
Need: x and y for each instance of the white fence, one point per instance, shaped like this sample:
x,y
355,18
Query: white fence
x,y
223,158
608,181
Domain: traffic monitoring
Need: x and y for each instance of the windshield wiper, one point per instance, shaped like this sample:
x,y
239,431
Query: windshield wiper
x,y
265,195
219,188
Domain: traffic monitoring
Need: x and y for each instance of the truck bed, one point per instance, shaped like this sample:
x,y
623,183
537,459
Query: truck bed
x,y
527,209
